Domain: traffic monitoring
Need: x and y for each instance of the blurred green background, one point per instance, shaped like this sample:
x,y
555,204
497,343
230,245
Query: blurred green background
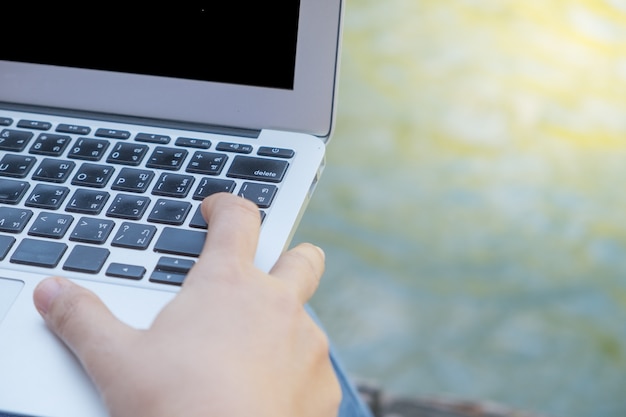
x,y
473,209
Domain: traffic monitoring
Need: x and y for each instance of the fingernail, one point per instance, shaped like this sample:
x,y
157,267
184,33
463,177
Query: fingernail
x,y
321,251
45,293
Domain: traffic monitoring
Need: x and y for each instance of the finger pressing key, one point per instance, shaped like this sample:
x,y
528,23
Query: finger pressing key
x,y
233,230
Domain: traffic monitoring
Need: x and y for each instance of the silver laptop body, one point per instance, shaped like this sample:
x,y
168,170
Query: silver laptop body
x,y
102,170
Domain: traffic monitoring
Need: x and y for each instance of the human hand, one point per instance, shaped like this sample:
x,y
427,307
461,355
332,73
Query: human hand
x,y
235,341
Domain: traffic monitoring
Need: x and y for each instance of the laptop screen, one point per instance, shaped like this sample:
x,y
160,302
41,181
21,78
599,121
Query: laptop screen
x,y
253,43
251,65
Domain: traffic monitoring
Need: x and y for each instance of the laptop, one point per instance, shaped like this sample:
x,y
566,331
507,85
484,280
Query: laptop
x,y
115,123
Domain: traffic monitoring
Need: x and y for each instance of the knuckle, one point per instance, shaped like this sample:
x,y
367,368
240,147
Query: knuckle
x,y
323,343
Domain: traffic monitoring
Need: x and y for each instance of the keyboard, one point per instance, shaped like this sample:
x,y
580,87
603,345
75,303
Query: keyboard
x,y
118,201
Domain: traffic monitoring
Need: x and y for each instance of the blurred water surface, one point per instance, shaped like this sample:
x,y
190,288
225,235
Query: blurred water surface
x,y
473,209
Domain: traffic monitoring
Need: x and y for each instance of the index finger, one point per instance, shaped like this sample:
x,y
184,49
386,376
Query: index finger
x,y
233,229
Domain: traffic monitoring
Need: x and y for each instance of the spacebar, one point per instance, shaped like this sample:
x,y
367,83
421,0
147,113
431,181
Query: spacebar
x,y
180,242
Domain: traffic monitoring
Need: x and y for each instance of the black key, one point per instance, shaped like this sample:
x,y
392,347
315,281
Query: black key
x,y
76,129
173,185
50,144
234,147
87,259
92,230
38,253
197,220
167,277
5,121
134,235
14,140
6,242
208,163
133,180
169,212
88,149
260,169
209,186
47,196
17,166
52,225
167,158
93,175
127,154
87,201
53,170
125,271
112,133
152,138
12,191
13,220
260,194
194,143
131,207
180,242
34,124
276,152
179,265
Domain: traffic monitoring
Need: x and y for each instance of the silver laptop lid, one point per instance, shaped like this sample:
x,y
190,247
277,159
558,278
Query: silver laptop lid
x,y
271,66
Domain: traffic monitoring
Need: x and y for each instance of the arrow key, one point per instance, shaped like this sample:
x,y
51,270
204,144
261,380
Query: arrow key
x,y
165,277
179,265
125,271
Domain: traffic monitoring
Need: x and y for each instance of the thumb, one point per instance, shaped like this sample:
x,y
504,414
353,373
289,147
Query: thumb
x,y
301,268
82,321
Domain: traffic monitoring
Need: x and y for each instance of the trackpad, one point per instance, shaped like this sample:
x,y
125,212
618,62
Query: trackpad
x,y
9,289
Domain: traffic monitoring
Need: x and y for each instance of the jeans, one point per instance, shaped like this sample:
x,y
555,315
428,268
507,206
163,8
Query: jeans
x,y
352,405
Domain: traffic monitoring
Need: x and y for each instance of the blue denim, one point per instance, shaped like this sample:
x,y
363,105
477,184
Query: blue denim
x,y
352,405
